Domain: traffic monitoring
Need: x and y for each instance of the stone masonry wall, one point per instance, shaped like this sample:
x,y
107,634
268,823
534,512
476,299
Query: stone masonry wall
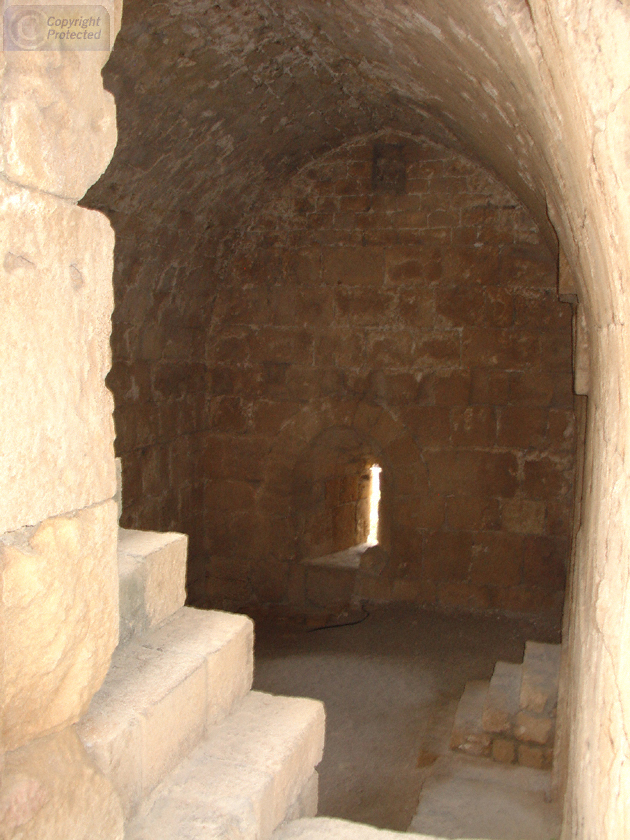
x,y
395,292
58,517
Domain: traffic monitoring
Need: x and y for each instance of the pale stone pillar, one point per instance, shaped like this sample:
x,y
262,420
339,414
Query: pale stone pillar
x,y
58,517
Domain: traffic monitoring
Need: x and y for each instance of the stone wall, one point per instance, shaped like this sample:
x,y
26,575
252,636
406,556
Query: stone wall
x,y
397,294
58,518
221,103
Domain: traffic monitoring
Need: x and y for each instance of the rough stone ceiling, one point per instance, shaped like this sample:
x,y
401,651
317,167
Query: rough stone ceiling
x,y
219,103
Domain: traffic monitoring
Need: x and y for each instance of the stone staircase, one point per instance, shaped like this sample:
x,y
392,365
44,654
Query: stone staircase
x,y
512,716
193,752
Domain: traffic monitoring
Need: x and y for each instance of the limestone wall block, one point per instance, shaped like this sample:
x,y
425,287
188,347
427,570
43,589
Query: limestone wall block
x,y
56,300
57,123
52,791
60,615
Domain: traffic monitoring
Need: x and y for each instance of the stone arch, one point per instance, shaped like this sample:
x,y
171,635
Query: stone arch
x,y
405,480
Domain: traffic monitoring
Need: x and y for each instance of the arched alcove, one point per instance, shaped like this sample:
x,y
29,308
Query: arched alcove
x,y
332,484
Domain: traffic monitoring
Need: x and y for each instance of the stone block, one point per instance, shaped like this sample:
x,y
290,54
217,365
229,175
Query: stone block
x,y
468,734
472,472
63,149
541,669
282,736
56,301
500,348
225,641
374,560
302,265
537,757
522,427
326,828
470,265
489,386
473,513
147,716
537,729
152,573
473,425
307,801
466,596
429,425
244,779
459,306
496,559
60,616
162,694
503,698
503,750
523,516
528,266
447,555
531,388
52,791
354,266
546,477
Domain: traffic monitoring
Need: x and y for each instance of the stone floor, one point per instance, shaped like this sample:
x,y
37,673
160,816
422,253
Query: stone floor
x,y
391,684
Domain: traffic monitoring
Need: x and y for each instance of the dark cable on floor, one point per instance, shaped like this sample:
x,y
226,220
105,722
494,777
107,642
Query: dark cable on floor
x,y
365,615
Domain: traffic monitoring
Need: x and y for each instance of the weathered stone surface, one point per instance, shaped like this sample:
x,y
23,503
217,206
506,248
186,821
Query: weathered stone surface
x,y
325,828
541,671
307,800
503,698
468,734
56,429
534,756
374,561
60,615
532,727
58,123
52,791
152,573
243,778
503,750
162,694
523,516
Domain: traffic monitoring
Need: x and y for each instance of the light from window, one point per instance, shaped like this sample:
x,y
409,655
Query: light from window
x,y
375,497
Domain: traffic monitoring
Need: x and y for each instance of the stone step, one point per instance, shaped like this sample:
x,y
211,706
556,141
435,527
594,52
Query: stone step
x,y
162,694
152,573
244,779
327,828
503,699
468,734
541,671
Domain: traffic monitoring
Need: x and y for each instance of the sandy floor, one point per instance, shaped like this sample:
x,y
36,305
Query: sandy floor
x,y
390,685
